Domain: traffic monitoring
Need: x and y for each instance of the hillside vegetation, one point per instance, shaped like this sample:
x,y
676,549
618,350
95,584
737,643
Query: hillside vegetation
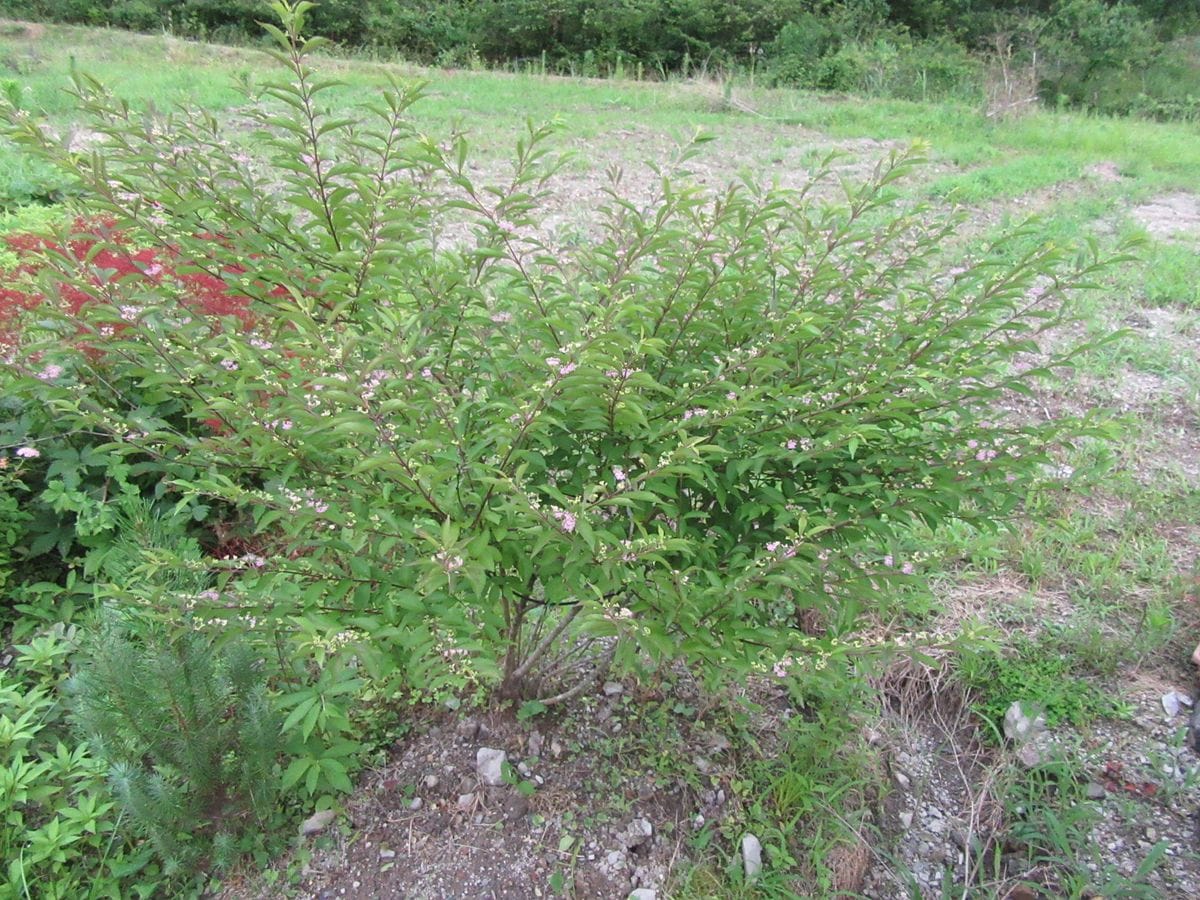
x,y
1126,56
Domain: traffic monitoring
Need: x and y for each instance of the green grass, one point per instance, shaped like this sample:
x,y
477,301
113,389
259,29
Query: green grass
x,y
1172,276
998,159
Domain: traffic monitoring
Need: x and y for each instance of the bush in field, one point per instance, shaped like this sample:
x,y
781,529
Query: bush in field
x,y
463,456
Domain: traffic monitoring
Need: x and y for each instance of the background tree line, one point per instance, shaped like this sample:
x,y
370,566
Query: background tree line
x,y
1111,55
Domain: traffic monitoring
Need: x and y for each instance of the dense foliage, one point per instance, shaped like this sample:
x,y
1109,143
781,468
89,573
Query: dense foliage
x,y
319,423
1115,55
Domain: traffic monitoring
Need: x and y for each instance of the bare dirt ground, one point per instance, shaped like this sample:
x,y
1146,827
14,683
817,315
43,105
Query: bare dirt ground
x,y
1173,216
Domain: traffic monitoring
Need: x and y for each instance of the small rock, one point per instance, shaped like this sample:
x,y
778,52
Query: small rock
x,y
613,688
638,833
1096,791
698,822
556,748
751,856
466,801
1029,756
616,860
535,743
906,818
643,894
317,822
515,808
468,729
416,803
489,765
431,782
702,764
1151,835
1020,725
525,771
1174,701
387,854
901,779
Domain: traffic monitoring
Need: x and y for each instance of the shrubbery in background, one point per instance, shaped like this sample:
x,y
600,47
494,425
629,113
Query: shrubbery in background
x,y
320,401
1111,56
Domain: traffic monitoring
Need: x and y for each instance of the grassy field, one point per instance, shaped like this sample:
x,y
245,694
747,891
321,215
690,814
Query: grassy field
x,y
1091,597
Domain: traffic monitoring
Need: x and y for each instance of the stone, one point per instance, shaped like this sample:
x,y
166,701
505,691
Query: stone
x,y
1022,725
515,808
751,857
489,765
431,782
535,742
1096,791
1029,756
901,779
638,833
1174,701
906,819
643,894
317,822
468,729
466,801
387,854
613,688
615,861
416,803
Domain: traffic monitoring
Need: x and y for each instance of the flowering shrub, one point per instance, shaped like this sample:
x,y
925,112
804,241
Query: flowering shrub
x,y
464,455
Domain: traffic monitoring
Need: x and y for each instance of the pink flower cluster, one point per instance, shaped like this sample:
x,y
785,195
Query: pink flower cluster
x,y
374,380
785,551
306,500
448,561
565,519
906,568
